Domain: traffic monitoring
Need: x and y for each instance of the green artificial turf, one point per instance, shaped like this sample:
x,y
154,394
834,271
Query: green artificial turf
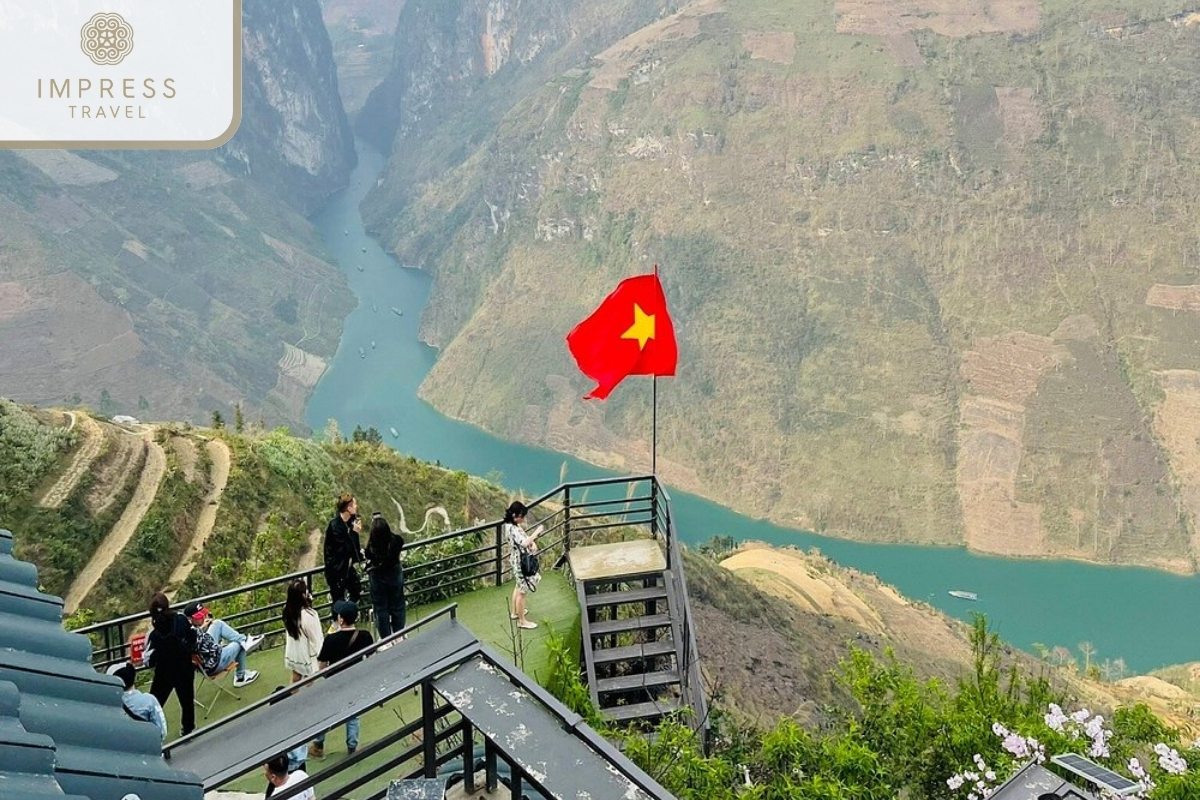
x,y
485,612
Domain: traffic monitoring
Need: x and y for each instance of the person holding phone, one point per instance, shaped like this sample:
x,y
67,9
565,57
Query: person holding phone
x,y
518,539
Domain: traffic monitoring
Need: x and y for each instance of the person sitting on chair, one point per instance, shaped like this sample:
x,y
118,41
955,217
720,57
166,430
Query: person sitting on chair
x,y
139,704
215,659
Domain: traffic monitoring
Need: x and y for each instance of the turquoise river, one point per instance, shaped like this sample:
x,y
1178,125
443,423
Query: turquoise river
x,y
1125,612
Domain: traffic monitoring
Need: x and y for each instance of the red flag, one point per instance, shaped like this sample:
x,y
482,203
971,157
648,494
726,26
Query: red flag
x,y
629,334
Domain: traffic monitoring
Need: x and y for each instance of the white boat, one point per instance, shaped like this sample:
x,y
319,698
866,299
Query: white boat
x,y
395,433
372,344
961,595
361,353
360,267
397,312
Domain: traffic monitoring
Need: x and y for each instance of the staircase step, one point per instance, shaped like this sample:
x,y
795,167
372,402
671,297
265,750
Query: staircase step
x,y
640,710
642,680
627,596
643,623
644,650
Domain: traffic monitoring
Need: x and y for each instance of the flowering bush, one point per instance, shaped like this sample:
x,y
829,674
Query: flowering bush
x,y
1162,775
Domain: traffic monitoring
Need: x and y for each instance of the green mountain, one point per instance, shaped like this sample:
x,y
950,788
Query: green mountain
x,y
930,266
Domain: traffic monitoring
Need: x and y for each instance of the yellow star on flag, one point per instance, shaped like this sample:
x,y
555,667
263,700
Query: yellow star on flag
x,y
642,328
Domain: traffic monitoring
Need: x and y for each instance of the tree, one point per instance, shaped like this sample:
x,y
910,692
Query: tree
x,y
370,435
218,421
239,421
1087,650
333,434
107,407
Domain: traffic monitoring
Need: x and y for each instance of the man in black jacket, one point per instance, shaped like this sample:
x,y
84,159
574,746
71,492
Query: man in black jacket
x,y
342,549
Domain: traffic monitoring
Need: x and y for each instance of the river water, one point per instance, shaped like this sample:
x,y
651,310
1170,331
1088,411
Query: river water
x,y
1125,612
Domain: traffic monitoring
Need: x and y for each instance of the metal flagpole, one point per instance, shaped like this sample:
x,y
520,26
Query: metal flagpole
x,y
654,429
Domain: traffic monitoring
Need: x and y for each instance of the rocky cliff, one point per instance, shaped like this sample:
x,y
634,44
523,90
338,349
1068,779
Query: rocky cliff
x,y
179,283
932,273
294,140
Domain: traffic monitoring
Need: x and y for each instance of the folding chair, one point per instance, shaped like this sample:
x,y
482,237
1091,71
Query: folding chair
x,y
216,681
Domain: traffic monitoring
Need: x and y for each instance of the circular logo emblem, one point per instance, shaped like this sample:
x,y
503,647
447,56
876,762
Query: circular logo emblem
x,y
106,38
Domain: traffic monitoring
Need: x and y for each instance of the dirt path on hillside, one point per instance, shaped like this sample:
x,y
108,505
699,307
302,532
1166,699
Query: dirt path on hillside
x,y
218,454
309,559
89,451
152,474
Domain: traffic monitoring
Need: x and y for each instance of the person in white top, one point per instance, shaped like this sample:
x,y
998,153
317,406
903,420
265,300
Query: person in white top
x,y
519,540
279,778
304,635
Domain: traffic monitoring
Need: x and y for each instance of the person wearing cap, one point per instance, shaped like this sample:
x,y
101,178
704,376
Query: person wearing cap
x,y
139,704
215,658
337,649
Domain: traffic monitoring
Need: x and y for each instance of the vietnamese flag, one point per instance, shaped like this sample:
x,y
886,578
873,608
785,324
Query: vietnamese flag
x,y
629,334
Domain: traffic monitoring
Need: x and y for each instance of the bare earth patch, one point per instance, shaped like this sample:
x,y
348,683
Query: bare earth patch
x,y
66,168
944,17
204,175
1002,372
618,60
81,462
1021,115
903,49
116,540
185,454
777,47
787,574
1177,423
218,454
124,454
13,299
1175,298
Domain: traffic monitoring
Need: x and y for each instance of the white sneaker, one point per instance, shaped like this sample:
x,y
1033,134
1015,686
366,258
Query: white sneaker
x,y
251,642
247,678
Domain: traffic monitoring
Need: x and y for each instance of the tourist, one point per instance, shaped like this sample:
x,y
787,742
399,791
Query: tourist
x,y
519,540
214,657
297,755
278,778
338,646
169,649
342,549
304,635
384,551
139,704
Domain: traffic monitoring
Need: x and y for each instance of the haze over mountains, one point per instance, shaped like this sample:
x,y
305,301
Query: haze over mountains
x,y
175,284
931,263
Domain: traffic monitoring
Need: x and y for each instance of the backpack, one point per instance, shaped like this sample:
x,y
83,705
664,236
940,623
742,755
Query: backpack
x,y
529,564
209,651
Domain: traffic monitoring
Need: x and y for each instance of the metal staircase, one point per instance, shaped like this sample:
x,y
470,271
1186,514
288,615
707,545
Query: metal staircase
x,y
632,646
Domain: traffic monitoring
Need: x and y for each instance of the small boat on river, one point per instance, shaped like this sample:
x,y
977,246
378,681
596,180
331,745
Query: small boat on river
x,y
397,312
961,595
362,353
395,433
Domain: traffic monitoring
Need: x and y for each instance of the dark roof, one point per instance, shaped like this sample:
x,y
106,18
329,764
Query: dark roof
x,y
1034,780
62,729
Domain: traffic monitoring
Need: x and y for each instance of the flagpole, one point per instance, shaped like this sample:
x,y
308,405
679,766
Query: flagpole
x,y
654,417
654,429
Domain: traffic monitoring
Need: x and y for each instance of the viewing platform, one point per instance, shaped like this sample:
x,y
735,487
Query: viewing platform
x,y
613,592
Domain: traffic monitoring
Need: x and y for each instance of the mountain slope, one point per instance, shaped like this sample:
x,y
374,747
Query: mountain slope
x,y
931,272
182,283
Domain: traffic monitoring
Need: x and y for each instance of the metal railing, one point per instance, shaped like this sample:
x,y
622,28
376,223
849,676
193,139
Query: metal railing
x,y
443,566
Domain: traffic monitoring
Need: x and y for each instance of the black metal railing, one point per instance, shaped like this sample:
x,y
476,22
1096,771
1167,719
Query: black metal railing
x,y
445,565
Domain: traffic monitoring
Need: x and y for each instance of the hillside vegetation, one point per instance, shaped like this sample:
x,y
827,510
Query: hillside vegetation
x,y
932,273
125,526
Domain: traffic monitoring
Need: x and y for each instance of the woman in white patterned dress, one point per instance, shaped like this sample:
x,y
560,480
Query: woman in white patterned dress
x,y
519,540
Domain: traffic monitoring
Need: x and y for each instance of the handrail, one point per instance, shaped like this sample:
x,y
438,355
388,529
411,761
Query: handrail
x,y
291,688
575,517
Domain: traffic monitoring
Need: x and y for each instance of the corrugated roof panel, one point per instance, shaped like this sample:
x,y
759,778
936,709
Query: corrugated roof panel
x,y
52,701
